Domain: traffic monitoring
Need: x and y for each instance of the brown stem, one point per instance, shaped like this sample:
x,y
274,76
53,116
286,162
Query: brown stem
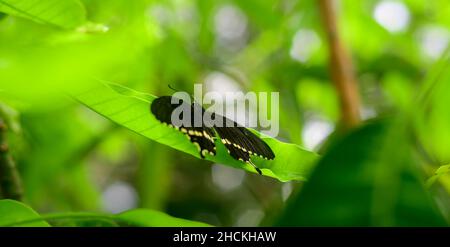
x,y
341,67
10,184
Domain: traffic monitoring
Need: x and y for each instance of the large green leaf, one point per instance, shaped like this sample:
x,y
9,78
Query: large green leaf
x,y
135,217
431,111
366,179
62,13
442,170
131,109
147,217
12,212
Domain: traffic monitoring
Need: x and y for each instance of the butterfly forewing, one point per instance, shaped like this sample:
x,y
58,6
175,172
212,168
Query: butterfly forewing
x,y
242,139
202,136
234,136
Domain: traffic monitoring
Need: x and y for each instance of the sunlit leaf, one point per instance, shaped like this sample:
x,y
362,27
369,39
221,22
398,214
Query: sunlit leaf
x,y
12,212
147,217
431,112
131,109
439,172
22,215
62,13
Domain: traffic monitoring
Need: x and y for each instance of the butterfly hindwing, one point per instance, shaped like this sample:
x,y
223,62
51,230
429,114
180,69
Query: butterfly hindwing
x,y
255,145
202,137
235,136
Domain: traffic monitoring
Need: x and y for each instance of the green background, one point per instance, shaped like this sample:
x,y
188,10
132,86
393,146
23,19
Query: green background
x,y
77,78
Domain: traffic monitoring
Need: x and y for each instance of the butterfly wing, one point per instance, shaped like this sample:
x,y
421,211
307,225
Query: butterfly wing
x,y
239,141
162,108
242,143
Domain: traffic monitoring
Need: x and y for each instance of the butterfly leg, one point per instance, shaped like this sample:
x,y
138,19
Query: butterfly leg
x,y
256,168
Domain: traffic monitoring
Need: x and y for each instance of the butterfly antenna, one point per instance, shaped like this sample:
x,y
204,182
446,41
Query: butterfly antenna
x,y
173,88
192,96
256,168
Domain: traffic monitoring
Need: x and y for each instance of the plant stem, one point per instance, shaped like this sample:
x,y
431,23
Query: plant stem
x,y
341,68
10,183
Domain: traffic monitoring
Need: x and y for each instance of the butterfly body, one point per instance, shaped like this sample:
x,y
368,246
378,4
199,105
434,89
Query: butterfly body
x,y
239,141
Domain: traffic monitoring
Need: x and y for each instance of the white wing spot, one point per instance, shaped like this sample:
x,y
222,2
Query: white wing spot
x,y
197,145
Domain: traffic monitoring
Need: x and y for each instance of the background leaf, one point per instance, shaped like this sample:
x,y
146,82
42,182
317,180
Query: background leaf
x,y
131,109
432,114
147,217
442,170
12,211
135,217
62,13
367,179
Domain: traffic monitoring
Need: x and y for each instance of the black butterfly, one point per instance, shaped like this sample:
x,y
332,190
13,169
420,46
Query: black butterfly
x,y
240,142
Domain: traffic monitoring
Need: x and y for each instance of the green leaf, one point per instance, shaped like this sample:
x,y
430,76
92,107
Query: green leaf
x,y
62,13
439,172
431,112
135,217
368,178
12,212
147,217
78,219
131,109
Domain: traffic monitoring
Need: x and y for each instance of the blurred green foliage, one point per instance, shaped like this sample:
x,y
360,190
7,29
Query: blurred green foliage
x,y
72,159
368,179
65,14
13,211
17,214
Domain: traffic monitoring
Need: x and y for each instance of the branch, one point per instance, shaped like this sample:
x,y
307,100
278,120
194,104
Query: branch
x,y
341,68
10,184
